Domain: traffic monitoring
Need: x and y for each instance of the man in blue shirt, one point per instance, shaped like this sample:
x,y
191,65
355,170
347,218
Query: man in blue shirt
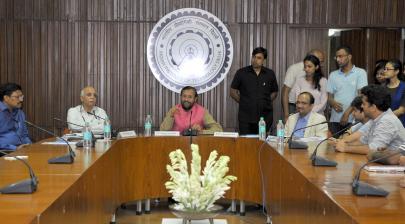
x,y
343,86
13,131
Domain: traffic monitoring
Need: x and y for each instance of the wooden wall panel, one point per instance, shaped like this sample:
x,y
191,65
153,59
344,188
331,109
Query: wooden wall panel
x,y
53,48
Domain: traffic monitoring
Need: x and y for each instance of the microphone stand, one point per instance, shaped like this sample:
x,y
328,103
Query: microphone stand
x,y
320,161
95,115
297,144
65,159
361,188
27,186
114,133
80,143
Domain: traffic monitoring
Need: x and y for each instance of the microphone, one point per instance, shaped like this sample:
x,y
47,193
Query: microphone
x,y
98,117
361,188
27,186
80,143
320,161
292,144
65,159
114,133
189,131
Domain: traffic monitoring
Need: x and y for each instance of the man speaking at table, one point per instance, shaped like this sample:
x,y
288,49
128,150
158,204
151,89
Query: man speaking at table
x,y
189,115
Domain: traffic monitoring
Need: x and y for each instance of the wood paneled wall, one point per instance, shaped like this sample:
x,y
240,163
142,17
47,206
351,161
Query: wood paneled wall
x,y
53,48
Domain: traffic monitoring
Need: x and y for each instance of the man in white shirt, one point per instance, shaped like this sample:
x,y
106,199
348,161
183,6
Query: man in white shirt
x,y
87,112
305,117
293,72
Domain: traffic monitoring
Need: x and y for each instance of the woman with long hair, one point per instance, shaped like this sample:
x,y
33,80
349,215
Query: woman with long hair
x,y
313,82
396,86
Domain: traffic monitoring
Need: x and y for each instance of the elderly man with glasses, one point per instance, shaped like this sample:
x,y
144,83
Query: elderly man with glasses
x,y
87,112
13,131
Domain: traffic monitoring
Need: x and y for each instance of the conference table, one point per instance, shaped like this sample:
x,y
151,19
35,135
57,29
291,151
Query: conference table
x,y
132,169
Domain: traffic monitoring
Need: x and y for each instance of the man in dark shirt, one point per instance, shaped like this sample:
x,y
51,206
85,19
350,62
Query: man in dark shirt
x,y
254,87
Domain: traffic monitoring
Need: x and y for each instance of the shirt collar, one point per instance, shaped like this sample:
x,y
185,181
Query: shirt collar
x,y
304,118
350,72
382,114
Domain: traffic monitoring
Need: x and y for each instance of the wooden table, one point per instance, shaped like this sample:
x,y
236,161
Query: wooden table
x,y
90,189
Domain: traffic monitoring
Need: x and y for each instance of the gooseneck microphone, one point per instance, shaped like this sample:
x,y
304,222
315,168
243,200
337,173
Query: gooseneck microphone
x,y
320,161
95,115
65,159
190,131
292,144
27,186
80,143
361,188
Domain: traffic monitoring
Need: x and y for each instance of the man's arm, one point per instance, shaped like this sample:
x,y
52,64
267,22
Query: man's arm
x,y
210,125
334,104
167,123
285,91
235,94
7,146
273,96
346,115
355,147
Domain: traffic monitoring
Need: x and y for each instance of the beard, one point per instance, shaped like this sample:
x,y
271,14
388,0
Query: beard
x,y
186,105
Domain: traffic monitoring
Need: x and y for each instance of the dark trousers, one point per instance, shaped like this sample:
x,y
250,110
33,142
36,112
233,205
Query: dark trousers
x,y
335,127
246,128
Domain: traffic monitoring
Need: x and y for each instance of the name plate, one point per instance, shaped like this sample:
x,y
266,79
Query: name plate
x,y
167,133
226,134
126,134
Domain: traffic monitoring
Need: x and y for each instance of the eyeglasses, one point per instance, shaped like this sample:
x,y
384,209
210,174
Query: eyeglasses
x,y
389,69
340,56
21,98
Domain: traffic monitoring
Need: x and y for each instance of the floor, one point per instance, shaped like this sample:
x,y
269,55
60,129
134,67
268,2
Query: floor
x,y
160,210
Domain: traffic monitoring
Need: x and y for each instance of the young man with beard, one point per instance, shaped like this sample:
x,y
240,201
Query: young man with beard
x,y
343,86
189,113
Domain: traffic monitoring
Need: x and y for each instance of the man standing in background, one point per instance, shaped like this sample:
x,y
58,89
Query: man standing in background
x,y
343,86
255,88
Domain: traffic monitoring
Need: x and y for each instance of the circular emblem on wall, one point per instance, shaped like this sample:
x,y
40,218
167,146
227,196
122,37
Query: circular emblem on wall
x,y
190,47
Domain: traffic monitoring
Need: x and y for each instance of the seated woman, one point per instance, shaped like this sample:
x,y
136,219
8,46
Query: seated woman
x,y
313,82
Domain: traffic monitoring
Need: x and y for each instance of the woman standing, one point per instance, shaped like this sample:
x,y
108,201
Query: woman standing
x,y
313,82
396,86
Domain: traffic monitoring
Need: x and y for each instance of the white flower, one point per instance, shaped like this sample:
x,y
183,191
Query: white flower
x,y
193,191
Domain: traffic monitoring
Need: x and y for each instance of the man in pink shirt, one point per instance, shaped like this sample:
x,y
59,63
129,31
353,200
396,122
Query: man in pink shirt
x,y
189,115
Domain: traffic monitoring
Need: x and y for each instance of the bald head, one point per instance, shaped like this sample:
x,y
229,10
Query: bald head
x,y
317,53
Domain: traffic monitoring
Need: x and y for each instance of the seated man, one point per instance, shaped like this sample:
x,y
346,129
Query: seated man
x,y
189,114
360,128
385,133
13,131
305,117
78,115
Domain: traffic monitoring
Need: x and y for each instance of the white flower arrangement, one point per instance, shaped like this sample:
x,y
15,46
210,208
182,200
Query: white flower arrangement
x,y
196,192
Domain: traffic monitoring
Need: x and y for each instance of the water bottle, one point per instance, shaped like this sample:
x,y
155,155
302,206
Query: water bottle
x,y
107,129
280,136
262,129
87,136
148,126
